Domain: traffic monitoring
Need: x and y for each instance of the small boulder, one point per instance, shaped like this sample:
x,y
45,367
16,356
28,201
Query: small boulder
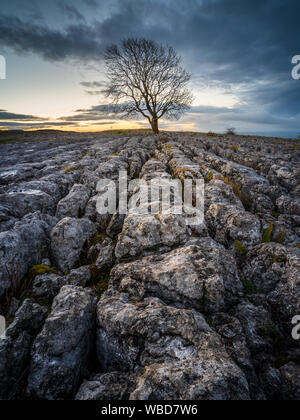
x,y
176,352
61,351
67,240
23,247
73,205
15,346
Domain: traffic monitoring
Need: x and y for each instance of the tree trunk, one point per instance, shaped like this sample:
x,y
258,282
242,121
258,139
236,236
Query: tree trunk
x,y
154,125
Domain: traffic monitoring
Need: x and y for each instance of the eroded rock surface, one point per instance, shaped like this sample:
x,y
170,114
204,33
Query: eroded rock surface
x,y
61,351
176,348
67,240
16,345
145,306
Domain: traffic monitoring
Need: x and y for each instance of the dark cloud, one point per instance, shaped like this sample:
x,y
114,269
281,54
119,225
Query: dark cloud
x,y
26,126
248,44
11,125
70,11
95,115
94,92
97,112
228,39
93,84
91,3
76,42
203,109
4,116
105,123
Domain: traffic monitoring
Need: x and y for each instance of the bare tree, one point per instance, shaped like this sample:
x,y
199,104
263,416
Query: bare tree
x,y
147,78
231,130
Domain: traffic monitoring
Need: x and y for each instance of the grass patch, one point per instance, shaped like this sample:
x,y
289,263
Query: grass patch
x,y
97,239
99,281
250,288
9,321
47,302
244,198
209,322
242,248
101,286
183,172
70,169
267,234
154,248
234,148
7,137
281,237
39,270
209,177
270,330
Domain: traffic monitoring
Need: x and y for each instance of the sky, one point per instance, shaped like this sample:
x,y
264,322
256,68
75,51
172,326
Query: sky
x,y
238,52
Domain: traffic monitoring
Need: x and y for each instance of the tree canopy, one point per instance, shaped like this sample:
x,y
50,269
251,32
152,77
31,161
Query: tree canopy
x,y
147,78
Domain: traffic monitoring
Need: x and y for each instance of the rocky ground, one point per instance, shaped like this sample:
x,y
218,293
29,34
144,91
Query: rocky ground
x,y
111,307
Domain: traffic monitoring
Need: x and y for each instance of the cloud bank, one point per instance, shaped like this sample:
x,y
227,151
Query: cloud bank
x,y
244,46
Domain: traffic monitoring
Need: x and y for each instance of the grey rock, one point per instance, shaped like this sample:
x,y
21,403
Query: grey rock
x,y
15,174
67,240
73,205
175,346
61,351
49,285
24,201
105,257
22,248
290,374
258,327
115,225
141,233
91,213
49,187
289,205
202,275
231,331
228,224
265,266
107,387
152,341
79,277
285,299
283,175
15,347
14,306
272,383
